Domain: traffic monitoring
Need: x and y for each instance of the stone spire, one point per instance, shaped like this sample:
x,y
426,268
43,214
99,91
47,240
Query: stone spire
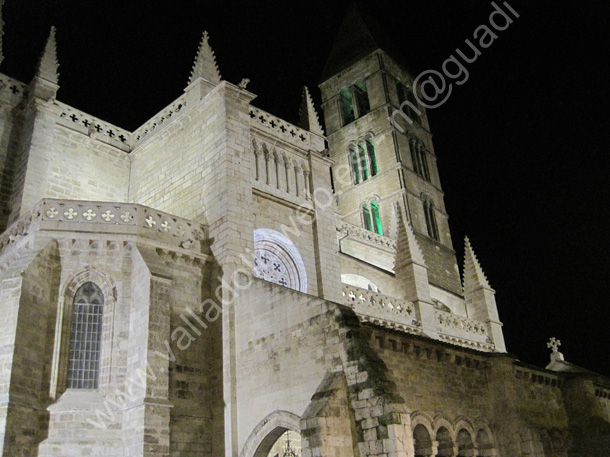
x,y
308,116
480,298
474,278
407,247
1,32
205,63
45,82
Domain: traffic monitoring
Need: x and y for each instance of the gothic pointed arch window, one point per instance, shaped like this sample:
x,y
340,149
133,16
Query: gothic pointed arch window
x,y
430,216
85,337
371,217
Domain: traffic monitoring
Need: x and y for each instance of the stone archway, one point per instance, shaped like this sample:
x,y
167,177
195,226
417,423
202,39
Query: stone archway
x,y
268,431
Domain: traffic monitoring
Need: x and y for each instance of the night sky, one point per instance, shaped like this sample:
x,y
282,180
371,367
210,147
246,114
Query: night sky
x,y
522,146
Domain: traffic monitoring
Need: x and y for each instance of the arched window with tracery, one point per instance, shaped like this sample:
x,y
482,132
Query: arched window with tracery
x,y
85,337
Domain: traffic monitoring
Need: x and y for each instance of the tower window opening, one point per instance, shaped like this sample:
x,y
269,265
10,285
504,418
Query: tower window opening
x,y
354,101
408,101
363,164
371,217
347,106
362,98
354,162
418,157
370,147
430,216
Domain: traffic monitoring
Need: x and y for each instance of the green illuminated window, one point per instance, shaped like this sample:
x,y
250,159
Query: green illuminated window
x,y
372,159
353,157
376,218
347,105
362,98
366,217
363,167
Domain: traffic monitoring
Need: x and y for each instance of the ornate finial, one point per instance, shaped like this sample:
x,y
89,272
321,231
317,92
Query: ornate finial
x,y
554,344
308,116
48,65
407,247
1,32
244,83
474,277
205,63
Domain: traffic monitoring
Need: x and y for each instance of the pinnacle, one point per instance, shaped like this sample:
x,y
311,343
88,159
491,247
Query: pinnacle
x,y
308,116
474,277
205,63
407,247
48,65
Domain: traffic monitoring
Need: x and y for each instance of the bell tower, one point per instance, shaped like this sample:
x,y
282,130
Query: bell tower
x,y
378,164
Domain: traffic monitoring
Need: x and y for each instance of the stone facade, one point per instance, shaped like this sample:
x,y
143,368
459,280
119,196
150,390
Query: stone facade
x,y
256,278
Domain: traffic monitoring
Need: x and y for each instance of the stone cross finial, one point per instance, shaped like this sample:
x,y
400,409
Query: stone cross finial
x,y
553,344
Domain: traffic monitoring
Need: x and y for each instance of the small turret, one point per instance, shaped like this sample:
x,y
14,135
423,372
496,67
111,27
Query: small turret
x,y
308,116
44,85
480,297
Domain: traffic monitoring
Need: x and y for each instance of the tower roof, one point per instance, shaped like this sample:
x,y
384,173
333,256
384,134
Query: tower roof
x,y
358,36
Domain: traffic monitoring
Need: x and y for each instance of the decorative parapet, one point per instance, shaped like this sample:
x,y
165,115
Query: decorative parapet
x,y
290,133
159,120
462,331
537,377
105,217
381,309
94,127
448,321
11,89
373,239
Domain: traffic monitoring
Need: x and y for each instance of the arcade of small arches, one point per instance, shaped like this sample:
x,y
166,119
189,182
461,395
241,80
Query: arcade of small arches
x,y
278,436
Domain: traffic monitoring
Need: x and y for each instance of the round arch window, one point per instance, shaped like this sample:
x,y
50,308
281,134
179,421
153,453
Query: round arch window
x,y
277,260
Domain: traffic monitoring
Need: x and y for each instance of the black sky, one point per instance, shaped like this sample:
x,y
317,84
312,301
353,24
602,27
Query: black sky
x,y
522,146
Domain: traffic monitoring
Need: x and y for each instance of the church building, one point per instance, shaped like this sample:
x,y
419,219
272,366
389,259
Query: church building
x,y
221,282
